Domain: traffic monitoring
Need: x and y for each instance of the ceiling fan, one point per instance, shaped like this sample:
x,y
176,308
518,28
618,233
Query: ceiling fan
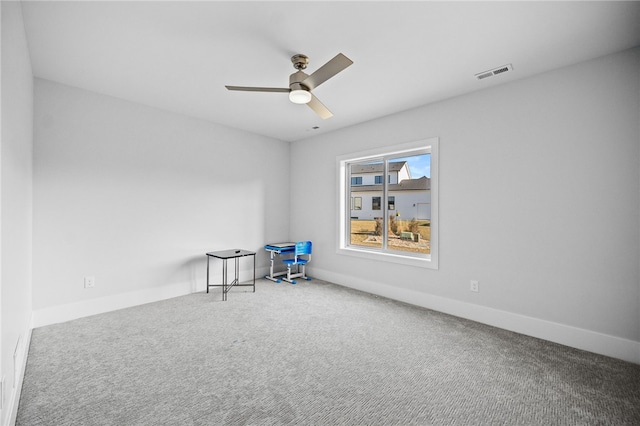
x,y
301,84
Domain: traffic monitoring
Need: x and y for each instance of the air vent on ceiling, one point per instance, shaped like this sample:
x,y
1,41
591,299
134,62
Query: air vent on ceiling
x,y
494,71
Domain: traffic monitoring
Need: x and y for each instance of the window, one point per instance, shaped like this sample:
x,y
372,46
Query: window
x,y
375,203
356,203
356,180
402,225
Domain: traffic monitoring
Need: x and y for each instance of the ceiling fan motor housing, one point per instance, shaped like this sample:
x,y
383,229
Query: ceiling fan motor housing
x,y
296,79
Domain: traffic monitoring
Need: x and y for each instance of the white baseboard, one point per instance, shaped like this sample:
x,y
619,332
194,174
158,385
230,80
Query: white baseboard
x,y
603,344
21,362
85,308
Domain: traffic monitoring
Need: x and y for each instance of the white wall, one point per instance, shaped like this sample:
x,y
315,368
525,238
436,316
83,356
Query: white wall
x,y
539,202
136,196
15,219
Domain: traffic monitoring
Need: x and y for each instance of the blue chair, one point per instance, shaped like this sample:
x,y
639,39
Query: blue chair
x,y
302,248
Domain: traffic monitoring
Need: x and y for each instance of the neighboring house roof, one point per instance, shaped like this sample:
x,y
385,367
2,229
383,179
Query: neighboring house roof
x,y
420,184
394,166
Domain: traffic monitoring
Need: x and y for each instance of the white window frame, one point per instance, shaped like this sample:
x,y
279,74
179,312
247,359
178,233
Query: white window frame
x,y
344,204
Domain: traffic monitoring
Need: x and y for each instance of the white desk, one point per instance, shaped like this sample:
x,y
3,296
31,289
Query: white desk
x,y
276,250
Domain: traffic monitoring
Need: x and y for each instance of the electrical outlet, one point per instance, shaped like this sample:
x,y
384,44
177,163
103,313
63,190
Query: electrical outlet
x,y
89,282
475,286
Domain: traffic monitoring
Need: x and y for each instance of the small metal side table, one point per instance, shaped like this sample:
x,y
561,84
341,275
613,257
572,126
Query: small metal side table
x,y
226,255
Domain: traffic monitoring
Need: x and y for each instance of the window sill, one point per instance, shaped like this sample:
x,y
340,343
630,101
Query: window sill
x,y
421,262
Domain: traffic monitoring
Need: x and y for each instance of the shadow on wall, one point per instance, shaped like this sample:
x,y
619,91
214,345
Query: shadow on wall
x,y
192,272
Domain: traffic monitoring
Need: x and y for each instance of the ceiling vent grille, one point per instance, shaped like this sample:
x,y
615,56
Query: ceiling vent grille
x,y
495,71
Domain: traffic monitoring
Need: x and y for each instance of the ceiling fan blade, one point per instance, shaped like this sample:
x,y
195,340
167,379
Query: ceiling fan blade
x,y
328,70
259,89
319,108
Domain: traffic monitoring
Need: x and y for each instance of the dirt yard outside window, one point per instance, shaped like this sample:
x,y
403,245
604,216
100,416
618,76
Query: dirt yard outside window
x,y
363,233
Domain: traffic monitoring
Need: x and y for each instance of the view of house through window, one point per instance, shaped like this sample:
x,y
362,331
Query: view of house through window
x,y
392,214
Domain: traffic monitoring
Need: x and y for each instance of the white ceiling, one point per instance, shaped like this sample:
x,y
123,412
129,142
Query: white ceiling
x,y
178,56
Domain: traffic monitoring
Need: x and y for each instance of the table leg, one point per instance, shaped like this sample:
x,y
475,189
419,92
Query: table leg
x,y
224,279
271,259
208,274
237,280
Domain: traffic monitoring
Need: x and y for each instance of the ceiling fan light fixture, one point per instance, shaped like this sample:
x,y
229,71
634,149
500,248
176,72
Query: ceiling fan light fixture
x,y
300,96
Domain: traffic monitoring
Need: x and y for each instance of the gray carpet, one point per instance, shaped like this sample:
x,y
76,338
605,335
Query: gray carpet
x,y
312,354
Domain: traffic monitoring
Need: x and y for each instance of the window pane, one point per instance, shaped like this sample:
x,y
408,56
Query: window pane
x,y
375,203
365,229
409,204
357,203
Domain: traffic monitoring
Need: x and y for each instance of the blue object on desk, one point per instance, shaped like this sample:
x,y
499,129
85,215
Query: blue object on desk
x,y
302,248
277,250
